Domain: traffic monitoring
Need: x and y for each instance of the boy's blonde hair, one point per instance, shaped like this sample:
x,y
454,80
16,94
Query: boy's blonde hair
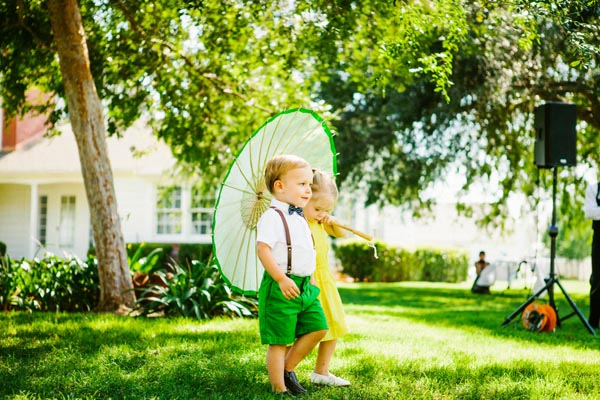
x,y
323,184
279,165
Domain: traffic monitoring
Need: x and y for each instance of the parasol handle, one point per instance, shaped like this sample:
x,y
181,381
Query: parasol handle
x,y
357,233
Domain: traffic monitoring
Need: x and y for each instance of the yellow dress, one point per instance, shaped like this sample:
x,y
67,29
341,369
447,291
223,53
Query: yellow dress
x,y
329,297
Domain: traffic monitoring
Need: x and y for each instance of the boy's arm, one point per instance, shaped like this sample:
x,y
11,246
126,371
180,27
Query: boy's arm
x,y
288,287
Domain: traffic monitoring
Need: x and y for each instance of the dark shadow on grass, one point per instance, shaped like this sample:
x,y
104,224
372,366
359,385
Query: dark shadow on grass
x,y
122,360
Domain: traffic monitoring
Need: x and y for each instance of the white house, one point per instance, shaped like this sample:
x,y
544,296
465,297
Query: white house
x,y
43,202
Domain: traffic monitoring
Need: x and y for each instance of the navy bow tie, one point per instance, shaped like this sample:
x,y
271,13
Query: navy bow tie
x,y
293,209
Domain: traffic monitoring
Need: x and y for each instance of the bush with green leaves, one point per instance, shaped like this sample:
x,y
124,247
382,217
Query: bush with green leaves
x,y
194,251
196,290
9,278
442,265
50,284
398,264
160,250
143,261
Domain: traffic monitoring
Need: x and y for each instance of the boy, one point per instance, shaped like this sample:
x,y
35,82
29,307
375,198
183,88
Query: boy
x,y
289,312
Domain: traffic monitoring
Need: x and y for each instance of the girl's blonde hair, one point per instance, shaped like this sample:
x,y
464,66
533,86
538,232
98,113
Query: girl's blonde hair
x,y
279,165
323,184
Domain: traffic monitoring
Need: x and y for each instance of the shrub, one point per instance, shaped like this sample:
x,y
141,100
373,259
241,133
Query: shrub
x,y
195,290
50,284
57,284
9,290
357,259
194,251
145,261
146,249
442,265
2,249
398,264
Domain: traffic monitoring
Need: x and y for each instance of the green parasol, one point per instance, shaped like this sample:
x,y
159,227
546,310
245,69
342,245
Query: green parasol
x,y
244,197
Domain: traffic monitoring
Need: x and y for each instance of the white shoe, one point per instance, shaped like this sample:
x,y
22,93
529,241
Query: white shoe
x,y
330,380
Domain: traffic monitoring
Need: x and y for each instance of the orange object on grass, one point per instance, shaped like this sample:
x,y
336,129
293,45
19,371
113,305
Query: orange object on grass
x,y
552,317
534,317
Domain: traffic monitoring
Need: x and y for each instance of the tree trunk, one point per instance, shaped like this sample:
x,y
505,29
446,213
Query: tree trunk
x,y
85,112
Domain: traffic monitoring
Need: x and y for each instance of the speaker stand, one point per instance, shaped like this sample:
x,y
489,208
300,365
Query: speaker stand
x,y
553,278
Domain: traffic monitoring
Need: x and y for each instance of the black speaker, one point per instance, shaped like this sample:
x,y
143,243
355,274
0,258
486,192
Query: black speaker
x,y
555,135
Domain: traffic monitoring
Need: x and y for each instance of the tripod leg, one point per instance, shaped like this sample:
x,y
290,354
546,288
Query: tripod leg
x,y
528,302
574,307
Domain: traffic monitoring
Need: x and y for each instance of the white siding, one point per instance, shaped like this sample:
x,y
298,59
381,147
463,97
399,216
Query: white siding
x,y
135,198
14,214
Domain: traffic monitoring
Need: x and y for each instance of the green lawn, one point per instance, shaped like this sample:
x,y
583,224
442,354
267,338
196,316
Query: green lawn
x,y
408,341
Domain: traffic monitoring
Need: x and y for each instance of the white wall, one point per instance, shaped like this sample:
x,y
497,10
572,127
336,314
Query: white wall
x,y
14,219
135,199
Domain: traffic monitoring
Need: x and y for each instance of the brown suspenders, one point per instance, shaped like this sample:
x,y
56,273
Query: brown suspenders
x,y
287,240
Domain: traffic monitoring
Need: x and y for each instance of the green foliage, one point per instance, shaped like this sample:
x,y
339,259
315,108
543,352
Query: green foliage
x,y
207,73
9,289
2,249
397,264
414,89
197,291
146,259
442,265
400,137
357,259
153,254
194,251
49,284
574,239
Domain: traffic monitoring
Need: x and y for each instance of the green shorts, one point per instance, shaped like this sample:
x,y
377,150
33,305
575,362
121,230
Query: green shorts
x,y
281,321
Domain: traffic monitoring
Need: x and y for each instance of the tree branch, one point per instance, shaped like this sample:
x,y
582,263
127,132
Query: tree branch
x,y
216,81
21,16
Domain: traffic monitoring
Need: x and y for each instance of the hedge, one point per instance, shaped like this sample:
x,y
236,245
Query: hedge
x,y
184,253
194,251
399,264
49,283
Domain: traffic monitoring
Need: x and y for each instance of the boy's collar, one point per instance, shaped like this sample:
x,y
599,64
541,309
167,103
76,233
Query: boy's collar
x,y
280,204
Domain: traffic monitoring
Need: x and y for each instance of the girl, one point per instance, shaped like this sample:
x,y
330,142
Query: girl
x,y
322,203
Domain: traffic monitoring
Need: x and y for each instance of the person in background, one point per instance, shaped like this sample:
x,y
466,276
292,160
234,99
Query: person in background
x,y
480,266
481,263
591,209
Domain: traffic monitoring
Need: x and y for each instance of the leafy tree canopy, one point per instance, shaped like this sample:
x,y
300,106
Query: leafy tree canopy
x,y
451,87
414,88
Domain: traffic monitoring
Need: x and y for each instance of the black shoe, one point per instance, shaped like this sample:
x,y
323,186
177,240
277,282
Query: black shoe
x,y
291,382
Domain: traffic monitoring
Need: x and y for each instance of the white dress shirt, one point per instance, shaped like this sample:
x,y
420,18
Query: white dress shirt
x,y
590,206
270,231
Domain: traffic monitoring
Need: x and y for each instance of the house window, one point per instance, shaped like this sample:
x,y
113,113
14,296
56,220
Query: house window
x,y
43,222
168,210
67,221
201,209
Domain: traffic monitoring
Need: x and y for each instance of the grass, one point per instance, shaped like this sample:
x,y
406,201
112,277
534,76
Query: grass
x,y
408,341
